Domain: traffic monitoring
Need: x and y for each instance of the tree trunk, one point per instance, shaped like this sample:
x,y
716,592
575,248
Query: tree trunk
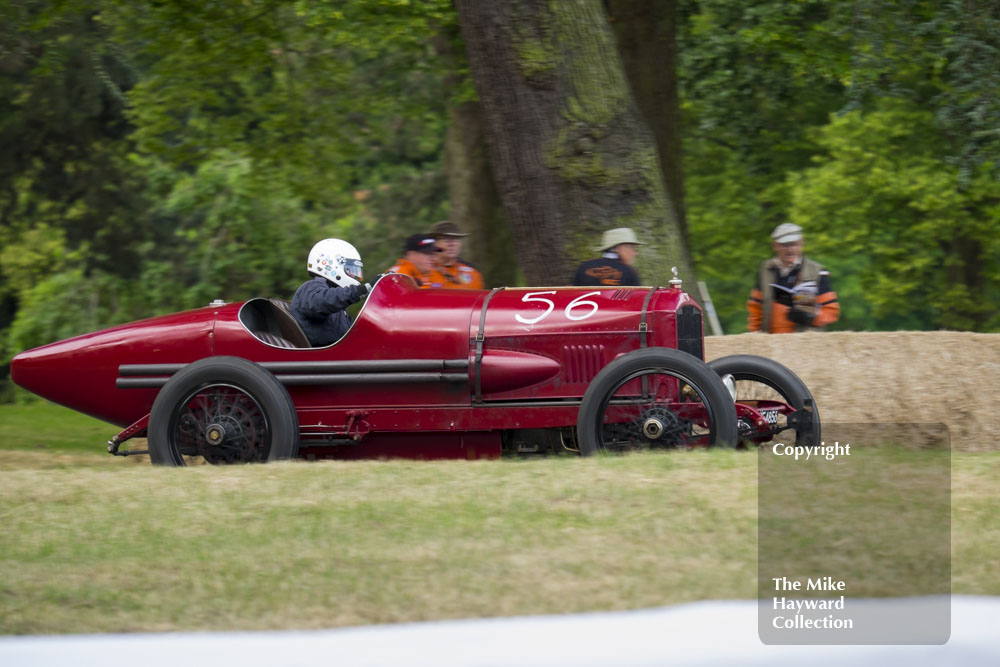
x,y
475,203
647,41
570,153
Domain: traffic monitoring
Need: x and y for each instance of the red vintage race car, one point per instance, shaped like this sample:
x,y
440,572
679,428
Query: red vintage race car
x,y
423,374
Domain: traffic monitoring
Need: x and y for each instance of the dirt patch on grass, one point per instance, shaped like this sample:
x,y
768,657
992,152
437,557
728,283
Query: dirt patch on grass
x,y
900,376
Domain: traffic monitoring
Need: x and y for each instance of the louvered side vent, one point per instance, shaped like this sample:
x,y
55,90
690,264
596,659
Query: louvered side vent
x,y
621,295
582,362
689,338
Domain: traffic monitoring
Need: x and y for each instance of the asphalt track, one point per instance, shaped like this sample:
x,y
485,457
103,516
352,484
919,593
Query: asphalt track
x,y
717,633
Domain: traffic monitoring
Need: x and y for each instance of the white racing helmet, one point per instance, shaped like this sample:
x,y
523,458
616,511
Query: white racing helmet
x,y
337,261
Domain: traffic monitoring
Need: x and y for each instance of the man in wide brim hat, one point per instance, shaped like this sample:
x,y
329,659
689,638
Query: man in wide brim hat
x,y
455,272
619,249
613,238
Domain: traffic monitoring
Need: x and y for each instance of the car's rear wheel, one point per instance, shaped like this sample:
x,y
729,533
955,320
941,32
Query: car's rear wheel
x,y
763,383
655,398
222,410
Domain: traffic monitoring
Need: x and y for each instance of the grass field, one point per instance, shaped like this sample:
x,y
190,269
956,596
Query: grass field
x,y
42,426
91,543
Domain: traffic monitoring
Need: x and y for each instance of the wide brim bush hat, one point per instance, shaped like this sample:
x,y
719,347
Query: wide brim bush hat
x,y
618,236
446,229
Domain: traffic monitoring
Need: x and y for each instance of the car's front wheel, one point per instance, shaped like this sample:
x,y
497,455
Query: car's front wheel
x,y
771,388
222,410
655,398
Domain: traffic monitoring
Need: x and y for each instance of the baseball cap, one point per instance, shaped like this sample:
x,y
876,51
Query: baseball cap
x,y
614,237
446,228
786,232
420,243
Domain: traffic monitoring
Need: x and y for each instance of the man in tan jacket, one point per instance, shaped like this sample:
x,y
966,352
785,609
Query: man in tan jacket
x,y
792,292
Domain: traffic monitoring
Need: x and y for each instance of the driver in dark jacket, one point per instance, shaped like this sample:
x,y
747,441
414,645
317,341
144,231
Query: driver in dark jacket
x,y
319,304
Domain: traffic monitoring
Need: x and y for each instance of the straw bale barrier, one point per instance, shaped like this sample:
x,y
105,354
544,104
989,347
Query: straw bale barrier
x,y
899,376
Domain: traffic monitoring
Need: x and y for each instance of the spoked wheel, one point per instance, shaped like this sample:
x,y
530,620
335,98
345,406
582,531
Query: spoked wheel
x,y
222,410
776,394
656,398
221,423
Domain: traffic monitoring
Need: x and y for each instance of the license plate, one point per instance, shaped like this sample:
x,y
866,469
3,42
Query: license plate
x,y
770,416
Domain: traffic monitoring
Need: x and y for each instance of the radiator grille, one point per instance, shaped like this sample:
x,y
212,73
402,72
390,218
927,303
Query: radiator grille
x,y
689,331
582,362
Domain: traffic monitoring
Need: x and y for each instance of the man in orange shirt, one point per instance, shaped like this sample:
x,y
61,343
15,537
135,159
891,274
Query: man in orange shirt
x,y
417,261
455,272
792,292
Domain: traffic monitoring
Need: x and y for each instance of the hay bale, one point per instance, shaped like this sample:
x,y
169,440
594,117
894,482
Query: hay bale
x,y
898,376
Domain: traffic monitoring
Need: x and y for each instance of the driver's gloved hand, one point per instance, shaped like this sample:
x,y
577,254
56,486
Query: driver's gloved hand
x,y
800,317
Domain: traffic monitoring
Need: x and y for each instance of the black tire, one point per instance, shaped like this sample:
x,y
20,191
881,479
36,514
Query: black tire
x,y
750,368
680,369
226,410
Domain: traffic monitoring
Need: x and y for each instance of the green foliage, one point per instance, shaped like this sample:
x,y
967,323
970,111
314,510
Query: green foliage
x,y
62,126
32,256
234,236
165,155
315,93
339,105
754,80
225,235
941,56
874,125
71,208
63,305
883,193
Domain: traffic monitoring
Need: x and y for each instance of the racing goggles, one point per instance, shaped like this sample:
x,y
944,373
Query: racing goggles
x,y
353,268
